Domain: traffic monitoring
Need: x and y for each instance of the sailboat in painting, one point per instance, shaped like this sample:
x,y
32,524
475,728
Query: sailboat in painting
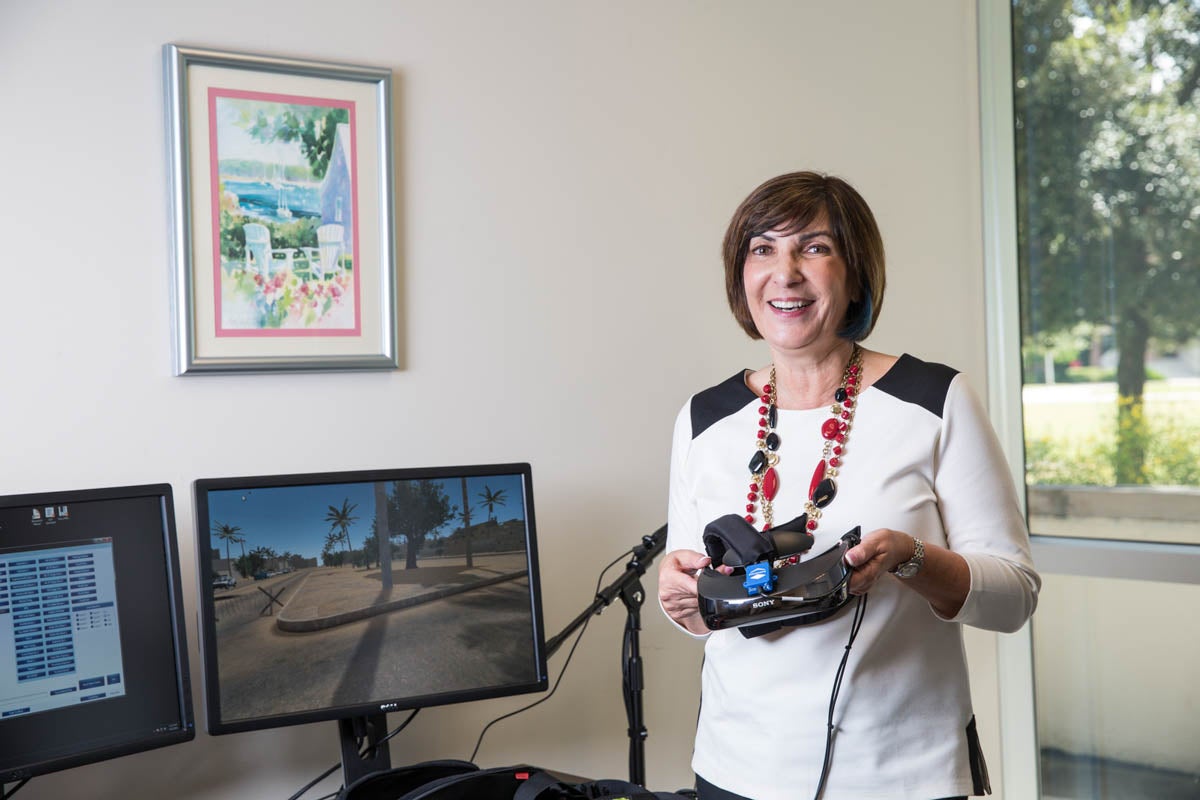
x,y
281,205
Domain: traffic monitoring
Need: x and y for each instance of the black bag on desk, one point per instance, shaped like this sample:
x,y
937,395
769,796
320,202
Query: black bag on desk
x,y
544,786
499,783
400,781
462,780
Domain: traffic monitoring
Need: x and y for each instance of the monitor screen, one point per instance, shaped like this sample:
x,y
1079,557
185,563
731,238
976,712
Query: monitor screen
x,y
346,594
93,655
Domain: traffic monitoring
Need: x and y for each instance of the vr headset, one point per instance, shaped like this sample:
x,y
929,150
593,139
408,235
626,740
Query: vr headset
x,y
769,586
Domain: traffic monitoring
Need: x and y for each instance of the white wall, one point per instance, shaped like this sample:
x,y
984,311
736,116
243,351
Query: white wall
x,y
564,173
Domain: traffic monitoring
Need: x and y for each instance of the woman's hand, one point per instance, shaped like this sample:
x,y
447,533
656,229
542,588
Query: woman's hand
x,y
677,588
879,552
944,579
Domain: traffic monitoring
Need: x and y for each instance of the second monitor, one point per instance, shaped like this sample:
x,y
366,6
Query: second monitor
x,y
345,595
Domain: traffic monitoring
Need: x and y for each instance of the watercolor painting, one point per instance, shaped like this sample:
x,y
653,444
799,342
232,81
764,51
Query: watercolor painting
x,y
283,187
283,247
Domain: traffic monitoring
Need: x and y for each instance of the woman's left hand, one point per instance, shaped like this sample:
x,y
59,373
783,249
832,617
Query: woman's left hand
x,y
944,579
880,551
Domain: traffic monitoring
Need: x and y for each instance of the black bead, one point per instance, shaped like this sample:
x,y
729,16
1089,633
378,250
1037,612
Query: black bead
x,y
840,395
825,492
772,441
772,416
758,463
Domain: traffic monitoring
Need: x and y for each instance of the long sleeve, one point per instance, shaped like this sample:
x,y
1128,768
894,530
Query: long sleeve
x,y
683,522
982,517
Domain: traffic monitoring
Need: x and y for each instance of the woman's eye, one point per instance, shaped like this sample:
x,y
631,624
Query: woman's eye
x,y
817,248
760,250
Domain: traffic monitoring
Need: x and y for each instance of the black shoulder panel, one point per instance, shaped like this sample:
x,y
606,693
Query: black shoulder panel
x,y
718,402
920,382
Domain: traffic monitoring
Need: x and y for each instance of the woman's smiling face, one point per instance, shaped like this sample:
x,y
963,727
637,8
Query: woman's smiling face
x,y
796,287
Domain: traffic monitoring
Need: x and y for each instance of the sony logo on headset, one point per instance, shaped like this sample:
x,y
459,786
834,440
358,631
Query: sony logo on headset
x,y
763,603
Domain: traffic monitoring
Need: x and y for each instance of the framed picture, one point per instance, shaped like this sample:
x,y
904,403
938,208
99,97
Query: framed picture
x,y
281,193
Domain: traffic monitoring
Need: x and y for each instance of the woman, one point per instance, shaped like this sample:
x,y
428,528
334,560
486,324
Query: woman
x,y
909,457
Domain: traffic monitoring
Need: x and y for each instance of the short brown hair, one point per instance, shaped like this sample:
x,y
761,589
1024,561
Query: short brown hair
x,y
791,202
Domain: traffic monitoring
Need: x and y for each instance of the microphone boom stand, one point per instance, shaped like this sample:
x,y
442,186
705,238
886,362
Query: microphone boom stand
x,y
629,588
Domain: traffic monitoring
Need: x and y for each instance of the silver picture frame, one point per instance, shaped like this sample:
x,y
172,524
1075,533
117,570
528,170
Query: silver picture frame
x,y
282,233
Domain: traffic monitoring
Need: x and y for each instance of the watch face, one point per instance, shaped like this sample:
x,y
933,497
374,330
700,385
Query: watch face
x,y
908,569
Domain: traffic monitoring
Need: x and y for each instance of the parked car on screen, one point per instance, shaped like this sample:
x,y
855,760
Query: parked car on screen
x,y
224,582
261,576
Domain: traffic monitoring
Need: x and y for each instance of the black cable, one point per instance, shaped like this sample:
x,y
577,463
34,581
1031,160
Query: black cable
x,y
315,781
626,670
856,623
562,672
5,795
335,767
370,752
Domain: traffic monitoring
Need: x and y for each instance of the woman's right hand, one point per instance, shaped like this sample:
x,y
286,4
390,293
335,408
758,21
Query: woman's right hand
x,y
677,588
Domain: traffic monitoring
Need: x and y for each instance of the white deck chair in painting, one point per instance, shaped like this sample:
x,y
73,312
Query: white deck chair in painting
x,y
260,256
331,243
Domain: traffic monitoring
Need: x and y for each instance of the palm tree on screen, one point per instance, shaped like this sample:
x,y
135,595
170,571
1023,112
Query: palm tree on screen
x,y
228,534
466,520
241,540
340,520
491,499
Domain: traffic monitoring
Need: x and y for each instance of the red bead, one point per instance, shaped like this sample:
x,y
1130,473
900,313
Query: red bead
x,y
845,415
766,398
752,496
749,506
841,437
835,462
829,429
849,403
793,559
812,525
762,423
817,476
837,451
853,369
766,526
762,434
750,518
770,484
762,410
754,487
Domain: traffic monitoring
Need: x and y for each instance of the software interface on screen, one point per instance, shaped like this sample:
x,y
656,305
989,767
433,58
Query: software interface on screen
x,y
92,650
59,623
309,610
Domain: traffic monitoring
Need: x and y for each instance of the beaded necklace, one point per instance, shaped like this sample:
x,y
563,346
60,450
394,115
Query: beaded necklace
x,y
764,478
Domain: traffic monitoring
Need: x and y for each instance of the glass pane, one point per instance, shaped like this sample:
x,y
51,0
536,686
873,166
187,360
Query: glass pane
x,y
1116,689
1108,188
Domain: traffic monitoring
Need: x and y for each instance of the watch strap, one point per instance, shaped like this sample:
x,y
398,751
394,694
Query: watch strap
x,y
911,567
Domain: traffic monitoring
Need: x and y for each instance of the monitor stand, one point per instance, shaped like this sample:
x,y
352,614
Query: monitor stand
x,y
362,750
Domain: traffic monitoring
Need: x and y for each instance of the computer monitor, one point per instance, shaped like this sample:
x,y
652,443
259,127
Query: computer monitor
x,y
93,656
307,613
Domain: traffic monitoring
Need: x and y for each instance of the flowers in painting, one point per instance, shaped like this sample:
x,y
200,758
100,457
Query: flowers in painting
x,y
285,299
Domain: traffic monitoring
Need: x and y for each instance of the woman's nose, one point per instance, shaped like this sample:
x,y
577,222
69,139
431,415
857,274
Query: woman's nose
x,y
788,269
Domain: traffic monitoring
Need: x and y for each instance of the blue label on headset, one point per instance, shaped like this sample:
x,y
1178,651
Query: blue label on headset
x,y
759,578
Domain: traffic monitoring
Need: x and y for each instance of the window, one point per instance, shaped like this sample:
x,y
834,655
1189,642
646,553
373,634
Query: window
x,y
1105,309
1108,195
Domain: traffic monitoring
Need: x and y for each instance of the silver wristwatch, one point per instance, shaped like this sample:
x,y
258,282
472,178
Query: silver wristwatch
x,y
911,567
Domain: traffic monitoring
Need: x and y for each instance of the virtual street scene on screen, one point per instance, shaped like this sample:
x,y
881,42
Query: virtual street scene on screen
x,y
315,609
58,623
